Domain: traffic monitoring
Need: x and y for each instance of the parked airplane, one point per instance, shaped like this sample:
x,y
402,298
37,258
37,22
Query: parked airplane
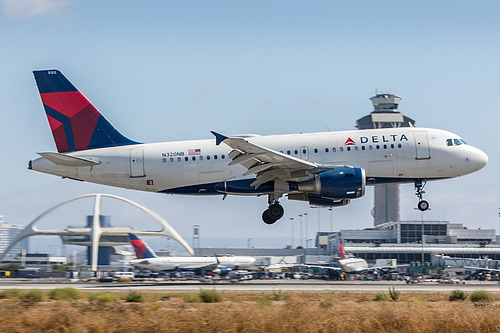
x,y
324,169
353,264
148,259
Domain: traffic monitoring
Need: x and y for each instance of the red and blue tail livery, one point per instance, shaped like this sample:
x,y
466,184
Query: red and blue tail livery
x,y
142,250
75,123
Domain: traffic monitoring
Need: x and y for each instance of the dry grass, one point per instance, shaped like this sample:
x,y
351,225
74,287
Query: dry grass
x,y
243,312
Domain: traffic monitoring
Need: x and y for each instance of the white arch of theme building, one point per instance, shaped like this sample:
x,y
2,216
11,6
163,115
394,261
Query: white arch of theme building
x,y
96,231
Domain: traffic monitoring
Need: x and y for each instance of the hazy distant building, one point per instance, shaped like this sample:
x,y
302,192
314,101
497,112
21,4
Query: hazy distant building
x,y
387,205
8,233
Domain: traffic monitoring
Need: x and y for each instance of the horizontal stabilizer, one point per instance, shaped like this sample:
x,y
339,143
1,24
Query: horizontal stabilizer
x,y
67,160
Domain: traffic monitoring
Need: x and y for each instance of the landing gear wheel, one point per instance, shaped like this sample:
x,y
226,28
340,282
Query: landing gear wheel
x,y
423,205
419,189
276,211
266,218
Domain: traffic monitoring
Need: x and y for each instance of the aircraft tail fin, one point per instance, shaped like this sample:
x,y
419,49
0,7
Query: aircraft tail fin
x,y
341,249
142,250
75,123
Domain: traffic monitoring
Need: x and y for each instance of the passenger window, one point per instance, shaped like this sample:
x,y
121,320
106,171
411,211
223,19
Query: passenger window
x,y
449,142
178,159
326,150
201,158
164,160
186,159
334,149
296,151
315,151
348,148
303,151
215,157
341,148
370,147
356,148
223,156
208,157
377,146
363,147
392,145
193,158
399,145
385,146
288,152
171,159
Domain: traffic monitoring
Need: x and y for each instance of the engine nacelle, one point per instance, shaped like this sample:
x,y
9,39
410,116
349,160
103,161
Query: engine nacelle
x,y
344,183
222,270
323,202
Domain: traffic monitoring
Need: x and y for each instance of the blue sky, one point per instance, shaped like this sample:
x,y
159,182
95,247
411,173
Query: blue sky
x,y
165,70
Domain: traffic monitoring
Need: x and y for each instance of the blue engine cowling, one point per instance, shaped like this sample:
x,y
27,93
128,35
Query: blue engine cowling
x,y
342,183
222,270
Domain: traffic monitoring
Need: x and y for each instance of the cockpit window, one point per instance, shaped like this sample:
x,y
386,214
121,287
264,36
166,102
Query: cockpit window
x,y
455,142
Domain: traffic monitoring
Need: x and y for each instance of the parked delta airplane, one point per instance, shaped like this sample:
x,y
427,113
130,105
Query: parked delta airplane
x,y
324,169
147,259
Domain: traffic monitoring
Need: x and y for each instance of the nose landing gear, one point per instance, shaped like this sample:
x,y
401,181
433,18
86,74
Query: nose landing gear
x,y
419,188
273,213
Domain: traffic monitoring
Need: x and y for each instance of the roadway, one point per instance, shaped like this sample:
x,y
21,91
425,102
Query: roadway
x,y
255,286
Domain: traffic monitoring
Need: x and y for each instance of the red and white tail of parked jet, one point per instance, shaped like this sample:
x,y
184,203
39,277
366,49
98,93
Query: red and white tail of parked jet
x,y
323,169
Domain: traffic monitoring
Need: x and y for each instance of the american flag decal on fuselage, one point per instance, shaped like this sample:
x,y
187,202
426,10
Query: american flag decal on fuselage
x,y
194,152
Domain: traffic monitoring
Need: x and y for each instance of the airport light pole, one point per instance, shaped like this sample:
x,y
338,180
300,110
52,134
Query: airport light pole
x,y
331,219
306,227
301,231
292,231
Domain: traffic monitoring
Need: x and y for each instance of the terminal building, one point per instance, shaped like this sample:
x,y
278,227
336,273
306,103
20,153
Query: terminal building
x,y
413,241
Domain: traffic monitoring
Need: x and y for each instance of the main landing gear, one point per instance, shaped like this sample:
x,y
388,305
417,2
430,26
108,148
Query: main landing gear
x,y
273,213
419,188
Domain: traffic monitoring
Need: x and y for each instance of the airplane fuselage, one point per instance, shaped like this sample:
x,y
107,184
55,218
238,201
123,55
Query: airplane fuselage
x,y
166,264
398,155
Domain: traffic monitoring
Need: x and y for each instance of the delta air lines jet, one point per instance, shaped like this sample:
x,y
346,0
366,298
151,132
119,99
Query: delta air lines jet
x,y
324,169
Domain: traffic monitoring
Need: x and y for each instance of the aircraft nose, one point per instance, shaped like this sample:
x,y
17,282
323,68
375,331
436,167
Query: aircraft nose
x,y
480,159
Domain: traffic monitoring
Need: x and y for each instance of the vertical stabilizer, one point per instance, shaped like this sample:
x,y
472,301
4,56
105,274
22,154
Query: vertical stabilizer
x,y
75,123
341,249
142,250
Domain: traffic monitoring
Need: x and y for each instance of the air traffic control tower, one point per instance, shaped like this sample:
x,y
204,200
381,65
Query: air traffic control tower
x,y
387,207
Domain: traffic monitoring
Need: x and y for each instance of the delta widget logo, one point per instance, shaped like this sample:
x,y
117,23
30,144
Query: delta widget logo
x,y
349,142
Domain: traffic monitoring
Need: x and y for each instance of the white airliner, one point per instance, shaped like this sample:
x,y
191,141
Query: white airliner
x,y
148,259
324,169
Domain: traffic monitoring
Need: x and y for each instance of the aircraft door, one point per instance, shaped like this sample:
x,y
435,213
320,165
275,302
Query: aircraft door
x,y
422,145
304,152
137,163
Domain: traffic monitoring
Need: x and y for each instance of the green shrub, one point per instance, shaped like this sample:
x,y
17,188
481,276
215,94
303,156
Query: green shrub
x,y
394,294
134,296
33,295
210,296
381,297
65,294
191,298
103,297
263,300
457,295
481,296
11,293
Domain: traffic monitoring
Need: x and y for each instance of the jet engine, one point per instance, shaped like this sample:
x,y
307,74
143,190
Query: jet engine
x,y
342,183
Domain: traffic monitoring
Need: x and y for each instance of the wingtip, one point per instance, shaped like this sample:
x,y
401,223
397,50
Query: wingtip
x,y
218,137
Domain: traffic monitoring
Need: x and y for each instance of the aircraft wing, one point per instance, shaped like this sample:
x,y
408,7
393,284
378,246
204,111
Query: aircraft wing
x,y
267,164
